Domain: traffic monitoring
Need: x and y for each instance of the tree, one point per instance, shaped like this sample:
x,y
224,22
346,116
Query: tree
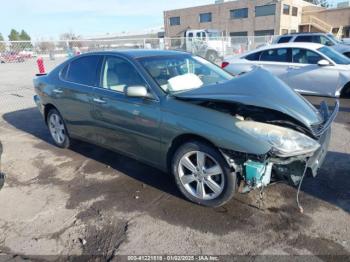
x,y
2,43
46,46
71,39
24,36
14,35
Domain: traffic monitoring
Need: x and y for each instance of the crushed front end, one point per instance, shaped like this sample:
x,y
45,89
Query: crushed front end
x,y
293,153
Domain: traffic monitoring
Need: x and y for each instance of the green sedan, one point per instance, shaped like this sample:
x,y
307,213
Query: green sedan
x,y
184,115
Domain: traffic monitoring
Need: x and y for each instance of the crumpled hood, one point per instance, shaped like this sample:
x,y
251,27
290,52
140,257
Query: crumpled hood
x,y
259,88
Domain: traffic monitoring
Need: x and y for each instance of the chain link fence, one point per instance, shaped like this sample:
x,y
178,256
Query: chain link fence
x,y
212,48
18,58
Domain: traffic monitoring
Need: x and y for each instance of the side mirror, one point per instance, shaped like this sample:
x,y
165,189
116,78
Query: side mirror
x,y
324,62
136,91
329,43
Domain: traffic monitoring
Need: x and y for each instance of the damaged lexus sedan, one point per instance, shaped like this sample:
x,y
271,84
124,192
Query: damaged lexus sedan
x,y
186,116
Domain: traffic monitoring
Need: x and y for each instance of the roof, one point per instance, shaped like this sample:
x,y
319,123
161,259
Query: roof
x,y
306,33
138,53
293,44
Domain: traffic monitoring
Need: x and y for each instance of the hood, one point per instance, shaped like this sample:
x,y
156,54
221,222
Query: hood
x,y
259,88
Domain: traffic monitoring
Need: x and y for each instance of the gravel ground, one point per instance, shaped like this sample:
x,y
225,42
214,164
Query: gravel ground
x,y
90,201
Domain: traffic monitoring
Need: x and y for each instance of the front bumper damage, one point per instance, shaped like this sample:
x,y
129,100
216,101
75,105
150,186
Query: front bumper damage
x,y
258,171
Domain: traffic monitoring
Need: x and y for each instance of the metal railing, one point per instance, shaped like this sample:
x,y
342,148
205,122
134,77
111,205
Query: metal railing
x,y
316,22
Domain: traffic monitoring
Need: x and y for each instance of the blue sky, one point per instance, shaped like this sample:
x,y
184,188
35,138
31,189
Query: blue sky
x,y
50,18
45,19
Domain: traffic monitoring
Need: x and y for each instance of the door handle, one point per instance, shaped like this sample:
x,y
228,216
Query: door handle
x,y
293,67
57,91
99,101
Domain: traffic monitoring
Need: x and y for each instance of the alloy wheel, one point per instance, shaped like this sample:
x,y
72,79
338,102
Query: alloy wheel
x,y
201,175
57,128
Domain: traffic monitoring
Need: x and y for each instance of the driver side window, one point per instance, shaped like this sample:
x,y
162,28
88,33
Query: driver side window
x,y
118,73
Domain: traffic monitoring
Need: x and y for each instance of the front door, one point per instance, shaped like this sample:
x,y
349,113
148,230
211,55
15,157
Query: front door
x,y
129,125
307,77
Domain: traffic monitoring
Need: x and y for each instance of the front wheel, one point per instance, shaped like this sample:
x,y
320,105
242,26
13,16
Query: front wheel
x,y
57,128
212,56
202,174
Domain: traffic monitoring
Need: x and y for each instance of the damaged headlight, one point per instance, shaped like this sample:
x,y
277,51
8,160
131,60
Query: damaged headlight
x,y
285,142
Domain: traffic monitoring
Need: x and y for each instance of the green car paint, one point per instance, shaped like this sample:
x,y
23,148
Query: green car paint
x,y
146,128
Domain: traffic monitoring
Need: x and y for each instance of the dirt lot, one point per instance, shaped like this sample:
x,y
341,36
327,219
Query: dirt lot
x,y
88,200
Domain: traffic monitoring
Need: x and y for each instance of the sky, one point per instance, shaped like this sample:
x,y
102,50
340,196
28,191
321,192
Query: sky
x,y
50,18
46,19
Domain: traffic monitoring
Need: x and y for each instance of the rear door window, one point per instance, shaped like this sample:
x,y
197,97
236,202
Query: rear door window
x,y
304,38
275,55
304,56
83,70
253,57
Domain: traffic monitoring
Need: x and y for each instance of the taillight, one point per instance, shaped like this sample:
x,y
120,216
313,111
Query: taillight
x,y
224,64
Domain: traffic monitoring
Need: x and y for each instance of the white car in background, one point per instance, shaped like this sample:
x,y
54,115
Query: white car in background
x,y
308,68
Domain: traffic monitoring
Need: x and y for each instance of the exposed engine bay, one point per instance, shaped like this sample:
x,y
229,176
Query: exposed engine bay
x,y
258,171
244,112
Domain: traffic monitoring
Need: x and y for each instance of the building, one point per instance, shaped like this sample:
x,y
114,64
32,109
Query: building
x,y
257,18
319,19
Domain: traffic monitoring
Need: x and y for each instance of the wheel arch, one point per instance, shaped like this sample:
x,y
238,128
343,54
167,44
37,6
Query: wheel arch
x,y
47,109
180,140
345,92
211,50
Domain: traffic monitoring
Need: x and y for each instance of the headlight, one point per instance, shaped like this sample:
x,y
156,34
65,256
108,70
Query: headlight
x,y
285,142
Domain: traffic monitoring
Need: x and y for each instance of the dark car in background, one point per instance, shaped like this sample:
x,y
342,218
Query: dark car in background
x,y
186,116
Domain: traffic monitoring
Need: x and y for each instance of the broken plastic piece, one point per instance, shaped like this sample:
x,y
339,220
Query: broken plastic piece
x,y
301,209
257,174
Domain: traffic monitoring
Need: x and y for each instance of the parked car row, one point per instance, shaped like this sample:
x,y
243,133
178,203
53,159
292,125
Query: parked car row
x,y
11,57
319,38
186,116
308,68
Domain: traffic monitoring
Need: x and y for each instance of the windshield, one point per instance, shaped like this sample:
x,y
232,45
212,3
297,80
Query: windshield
x,y
338,58
335,39
183,72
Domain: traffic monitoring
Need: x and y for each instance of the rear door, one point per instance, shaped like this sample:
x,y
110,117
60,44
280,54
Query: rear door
x,y
307,77
276,61
129,125
73,94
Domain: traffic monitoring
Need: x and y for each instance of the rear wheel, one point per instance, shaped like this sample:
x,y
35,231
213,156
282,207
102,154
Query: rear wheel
x,y
202,174
346,91
212,56
57,128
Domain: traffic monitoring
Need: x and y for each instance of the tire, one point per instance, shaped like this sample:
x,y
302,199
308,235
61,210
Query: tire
x,y
346,92
58,129
218,189
212,56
